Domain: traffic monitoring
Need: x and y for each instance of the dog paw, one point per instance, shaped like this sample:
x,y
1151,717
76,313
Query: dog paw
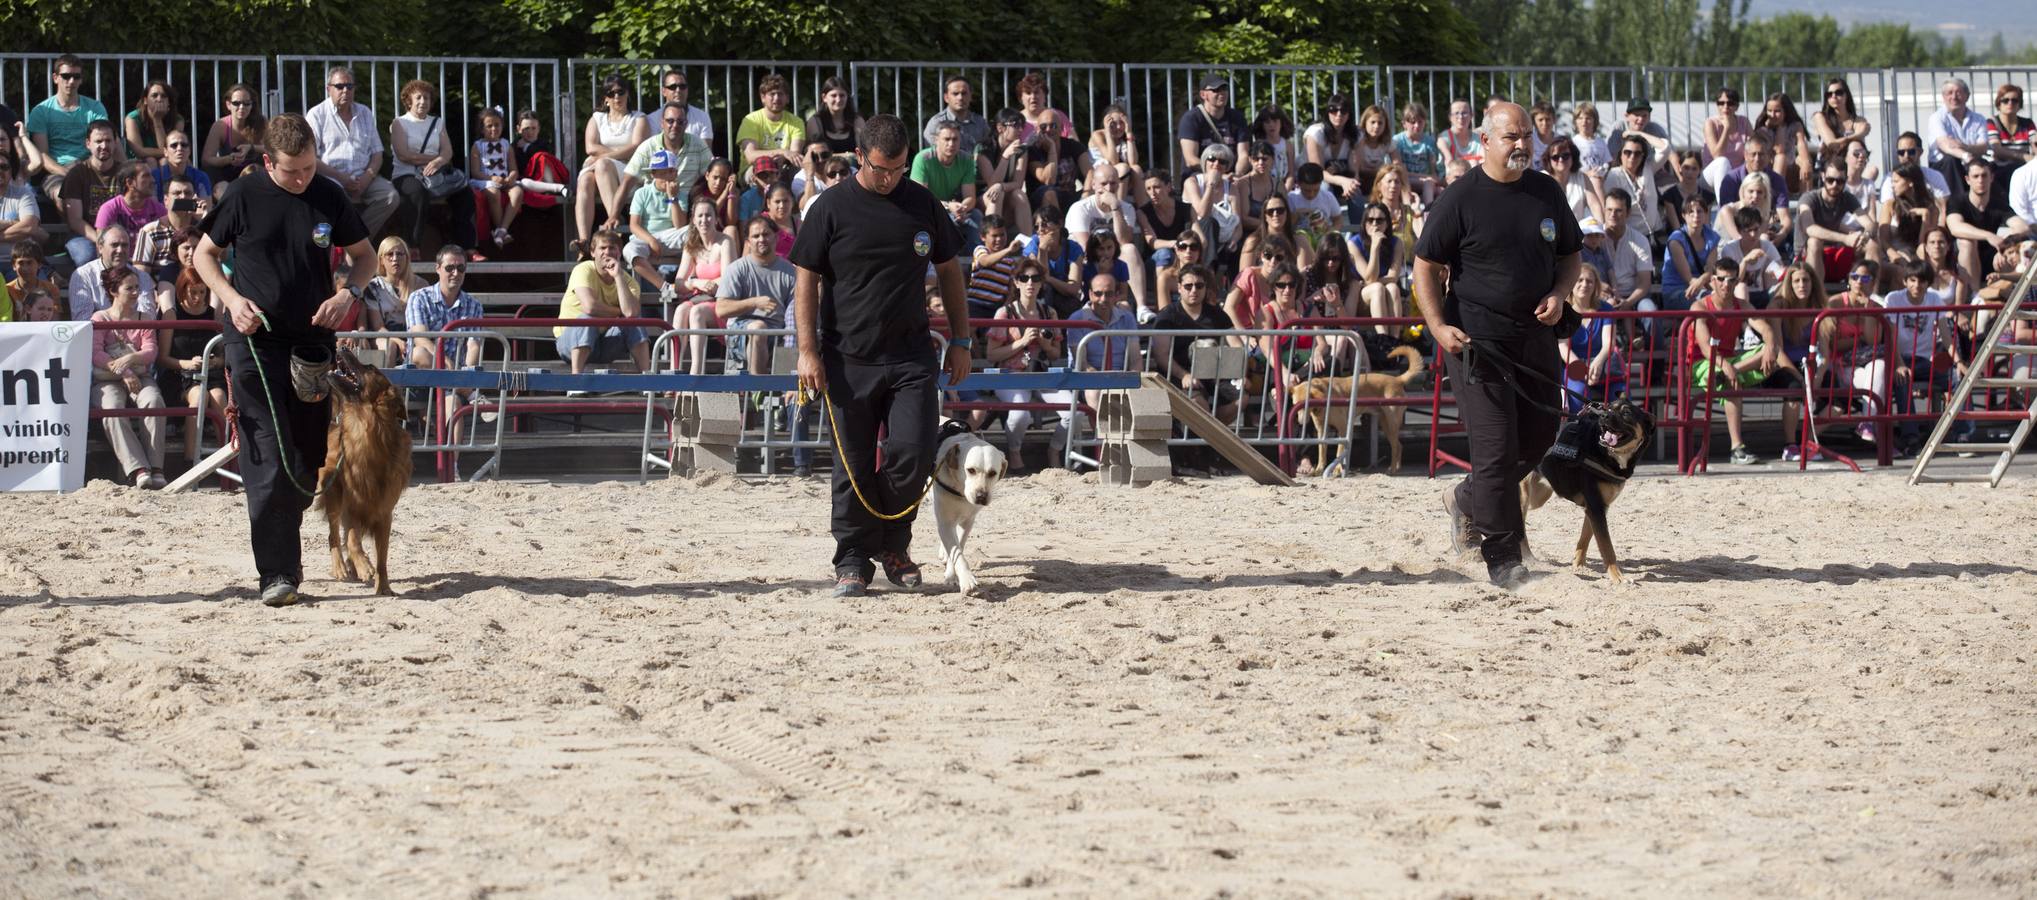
x,y
966,584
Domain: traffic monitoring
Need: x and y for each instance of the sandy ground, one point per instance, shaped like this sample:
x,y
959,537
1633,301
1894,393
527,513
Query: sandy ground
x,y
1815,686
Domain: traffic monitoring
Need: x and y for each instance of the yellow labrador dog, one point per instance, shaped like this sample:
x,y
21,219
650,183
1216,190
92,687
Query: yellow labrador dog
x,y
966,470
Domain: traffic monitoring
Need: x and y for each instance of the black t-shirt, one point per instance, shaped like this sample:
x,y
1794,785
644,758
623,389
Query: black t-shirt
x,y
871,252
1176,317
1672,196
282,248
1831,214
1204,129
1502,241
1989,218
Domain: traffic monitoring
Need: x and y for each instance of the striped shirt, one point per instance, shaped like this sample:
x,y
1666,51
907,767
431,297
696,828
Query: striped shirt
x,y
990,285
428,311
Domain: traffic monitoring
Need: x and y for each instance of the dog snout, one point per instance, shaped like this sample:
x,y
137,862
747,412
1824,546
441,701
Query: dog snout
x,y
980,498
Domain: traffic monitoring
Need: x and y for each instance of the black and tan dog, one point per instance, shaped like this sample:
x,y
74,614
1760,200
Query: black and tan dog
x,y
1590,463
367,453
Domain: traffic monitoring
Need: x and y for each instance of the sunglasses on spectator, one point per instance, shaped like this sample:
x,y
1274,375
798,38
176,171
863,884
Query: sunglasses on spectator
x,y
1193,285
1027,278
2010,101
179,145
1376,220
1562,157
1908,151
1336,111
617,92
1630,152
1280,210
1862,277
453,267
1831,180
341,85
1838,92
1276,257
1729,104
236,104
675,86
70,76
1285,284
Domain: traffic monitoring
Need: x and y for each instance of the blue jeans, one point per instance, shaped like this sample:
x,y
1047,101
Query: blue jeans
x,y
606,345
81,250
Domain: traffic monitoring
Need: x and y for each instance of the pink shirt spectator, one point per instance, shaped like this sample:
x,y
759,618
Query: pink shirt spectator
x,y
115,211
110,343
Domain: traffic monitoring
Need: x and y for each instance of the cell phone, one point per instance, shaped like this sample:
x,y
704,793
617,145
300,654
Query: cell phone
x,y
184,204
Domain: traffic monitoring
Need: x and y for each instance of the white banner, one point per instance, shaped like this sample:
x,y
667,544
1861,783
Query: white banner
x,y
45,404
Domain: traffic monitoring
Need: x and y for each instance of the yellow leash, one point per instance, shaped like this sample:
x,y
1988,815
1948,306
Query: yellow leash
x,y
842,459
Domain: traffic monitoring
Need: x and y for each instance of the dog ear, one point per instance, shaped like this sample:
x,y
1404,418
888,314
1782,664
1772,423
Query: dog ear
x,y
1003,466
950,457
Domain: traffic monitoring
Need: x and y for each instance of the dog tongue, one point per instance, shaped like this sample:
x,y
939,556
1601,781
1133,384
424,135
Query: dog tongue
x,y
1609,438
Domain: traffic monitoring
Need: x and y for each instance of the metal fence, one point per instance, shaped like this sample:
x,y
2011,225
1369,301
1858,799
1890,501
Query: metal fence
x,y
726,89
1161,94
1435,87
465,87
914,91
198,83
1685,97
1914,96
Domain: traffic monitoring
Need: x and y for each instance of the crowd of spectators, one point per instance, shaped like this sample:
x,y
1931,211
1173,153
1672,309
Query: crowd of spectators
x,y
1252,219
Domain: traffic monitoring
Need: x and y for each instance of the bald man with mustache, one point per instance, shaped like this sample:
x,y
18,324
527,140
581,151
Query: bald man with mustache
x,y
1507,237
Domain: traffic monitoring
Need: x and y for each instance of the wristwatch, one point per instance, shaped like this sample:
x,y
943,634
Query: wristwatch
x,y
963,342
360,293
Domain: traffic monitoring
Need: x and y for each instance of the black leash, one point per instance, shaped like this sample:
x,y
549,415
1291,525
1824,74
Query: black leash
x,y
1488,348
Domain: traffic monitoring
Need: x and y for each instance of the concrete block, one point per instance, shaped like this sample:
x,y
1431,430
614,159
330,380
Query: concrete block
x,y
1133,462
708,418
1141,414
700,459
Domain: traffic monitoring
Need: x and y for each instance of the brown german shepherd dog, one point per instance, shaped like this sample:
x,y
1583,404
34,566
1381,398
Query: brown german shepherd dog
x,y
367,467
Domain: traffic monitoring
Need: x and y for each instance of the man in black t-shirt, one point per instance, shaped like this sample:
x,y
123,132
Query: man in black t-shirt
x,y
1196,311
1213,121
1977,218
281,226
1834,238
1510,243
860,303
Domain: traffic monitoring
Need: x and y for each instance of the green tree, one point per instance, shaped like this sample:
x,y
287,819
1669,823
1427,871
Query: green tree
x,y
1790,40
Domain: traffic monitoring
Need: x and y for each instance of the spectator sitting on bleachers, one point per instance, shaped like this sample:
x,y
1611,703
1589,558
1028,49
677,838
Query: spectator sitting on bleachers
x,y
492,174
1594,153
771,131
1560,161
1688,183
1981,218
1163,221
1941,254
991,267
1760,263
1379,256
1835,224
655,234
1595,252
1634,174
423,148
155,244
20,215
1910,151
88,283
1418,153
235,141
1801,289
781,206
1460,140
1332,142
1041,117
1760,155
1542,116
763,175
30,274
833,124
1100,253
20,152
350,149
1215,208
133,204
756,293
1691,251
1919,337
1105,210
1031,349
1334,285
1908,214
1315,208
177,161
1188,251
613,133
1631,279
123,362
1640,120
676,87
59,126
1253,288
1773,222
705,252
88,184
38,305
149,123
1716,361
435,307
1112,146
1726,132
1214,122
824,174
1253,186
1955,132
1273,128
182,356
1849,347
1390,189
1785,129
1374,150
387,297
1001,167
951,177
1056,169
1861,180
1838,125
532,155
975,130
717,188
687,153
1062,257
1296,357
1172,356
1594,343
1276,219
602,288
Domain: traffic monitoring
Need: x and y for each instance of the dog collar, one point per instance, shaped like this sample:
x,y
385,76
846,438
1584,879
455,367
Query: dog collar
x,y
945,487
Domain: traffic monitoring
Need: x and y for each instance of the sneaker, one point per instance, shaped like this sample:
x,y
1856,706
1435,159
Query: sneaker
x,y
156,480
141,479
1460,524
900,570
802,471
1865,431
851,583
1741,456
281,592
1510,574
1792,453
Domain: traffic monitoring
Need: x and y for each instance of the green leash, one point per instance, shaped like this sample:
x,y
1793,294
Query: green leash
x,y
282,455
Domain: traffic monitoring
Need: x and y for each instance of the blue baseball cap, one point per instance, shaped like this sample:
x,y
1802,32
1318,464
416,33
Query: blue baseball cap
x,y
662,158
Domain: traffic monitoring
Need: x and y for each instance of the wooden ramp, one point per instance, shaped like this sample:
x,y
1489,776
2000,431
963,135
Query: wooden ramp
x,y
1219,436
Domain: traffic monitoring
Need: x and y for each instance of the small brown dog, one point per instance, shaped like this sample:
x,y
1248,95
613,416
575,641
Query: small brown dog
x,y
1324,399
367,454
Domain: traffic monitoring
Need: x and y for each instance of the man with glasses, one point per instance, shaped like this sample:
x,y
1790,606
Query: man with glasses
x,y
88,284
1173,356
155,245
1834,236
281,224
432,308
1910,151
973,128
177,155
1632,273
1760,150
1213,122
1982,220
676,87
1955,133
350,148
1507,238
861,313
689,154
58,125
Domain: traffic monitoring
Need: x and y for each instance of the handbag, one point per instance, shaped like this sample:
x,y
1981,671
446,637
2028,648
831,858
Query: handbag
x,y
446,181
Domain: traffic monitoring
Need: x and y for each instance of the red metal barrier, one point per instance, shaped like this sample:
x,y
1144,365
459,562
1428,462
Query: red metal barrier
x,y
1291,410
996,406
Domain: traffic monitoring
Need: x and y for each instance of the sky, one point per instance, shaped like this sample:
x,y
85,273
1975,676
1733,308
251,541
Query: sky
x,y
1976,20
